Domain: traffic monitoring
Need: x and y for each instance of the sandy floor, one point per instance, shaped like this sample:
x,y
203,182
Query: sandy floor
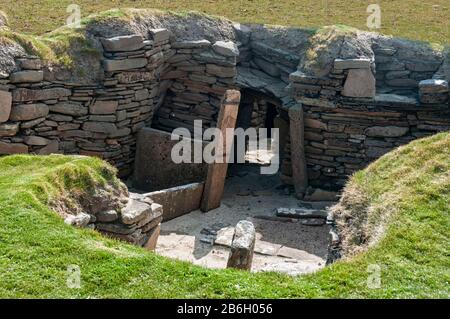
x,y
282,244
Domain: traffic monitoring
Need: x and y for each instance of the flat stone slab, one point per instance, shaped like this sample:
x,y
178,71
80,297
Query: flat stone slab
x,y
191,44
104,107
301,213
123,43
26,112
386,131
13,148
341,64
395,99
226,48
135,211
127,64
69,108
28,76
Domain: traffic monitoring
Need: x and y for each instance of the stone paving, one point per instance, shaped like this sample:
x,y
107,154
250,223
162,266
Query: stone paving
x,y
282,244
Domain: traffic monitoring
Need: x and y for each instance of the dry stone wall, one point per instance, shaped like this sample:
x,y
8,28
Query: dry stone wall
x,y
43,117
362,94
200,72
345,133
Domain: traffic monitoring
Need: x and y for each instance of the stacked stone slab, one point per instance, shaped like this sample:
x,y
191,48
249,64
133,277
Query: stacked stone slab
x,y
138,222
200,72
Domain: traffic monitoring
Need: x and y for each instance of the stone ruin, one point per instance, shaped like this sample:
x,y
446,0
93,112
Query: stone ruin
x,y
358,94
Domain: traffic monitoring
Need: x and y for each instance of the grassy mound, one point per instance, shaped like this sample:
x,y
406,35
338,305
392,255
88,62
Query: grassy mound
x,y
407,190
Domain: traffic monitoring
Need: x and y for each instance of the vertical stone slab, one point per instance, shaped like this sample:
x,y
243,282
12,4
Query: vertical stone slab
x,y
298,158
217,172
154,168
153,238
242,246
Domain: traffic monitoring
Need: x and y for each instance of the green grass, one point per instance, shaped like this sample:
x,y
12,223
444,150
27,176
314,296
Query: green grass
x,y
414,19
36,246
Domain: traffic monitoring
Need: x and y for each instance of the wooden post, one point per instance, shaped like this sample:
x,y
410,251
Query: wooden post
x,y
217,172
298,158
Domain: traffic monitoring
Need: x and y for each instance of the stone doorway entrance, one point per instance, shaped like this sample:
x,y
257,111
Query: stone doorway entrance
x,y
257,110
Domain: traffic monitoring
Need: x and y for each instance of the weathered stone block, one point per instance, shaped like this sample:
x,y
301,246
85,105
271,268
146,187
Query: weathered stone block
x,y
27,76
103,107
388,99
81,220
5,105
134,77
99,127
30,64
386,131
141,95
25,112
340,64
69,108
313,123
135,211
36,140
13,148
127,64
226,48
359,83
242,246
9,129
123,43
107,216
191,44
160,35
25,95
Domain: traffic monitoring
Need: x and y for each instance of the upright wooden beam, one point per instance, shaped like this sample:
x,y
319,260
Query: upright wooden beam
x,y
217,172
298,158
